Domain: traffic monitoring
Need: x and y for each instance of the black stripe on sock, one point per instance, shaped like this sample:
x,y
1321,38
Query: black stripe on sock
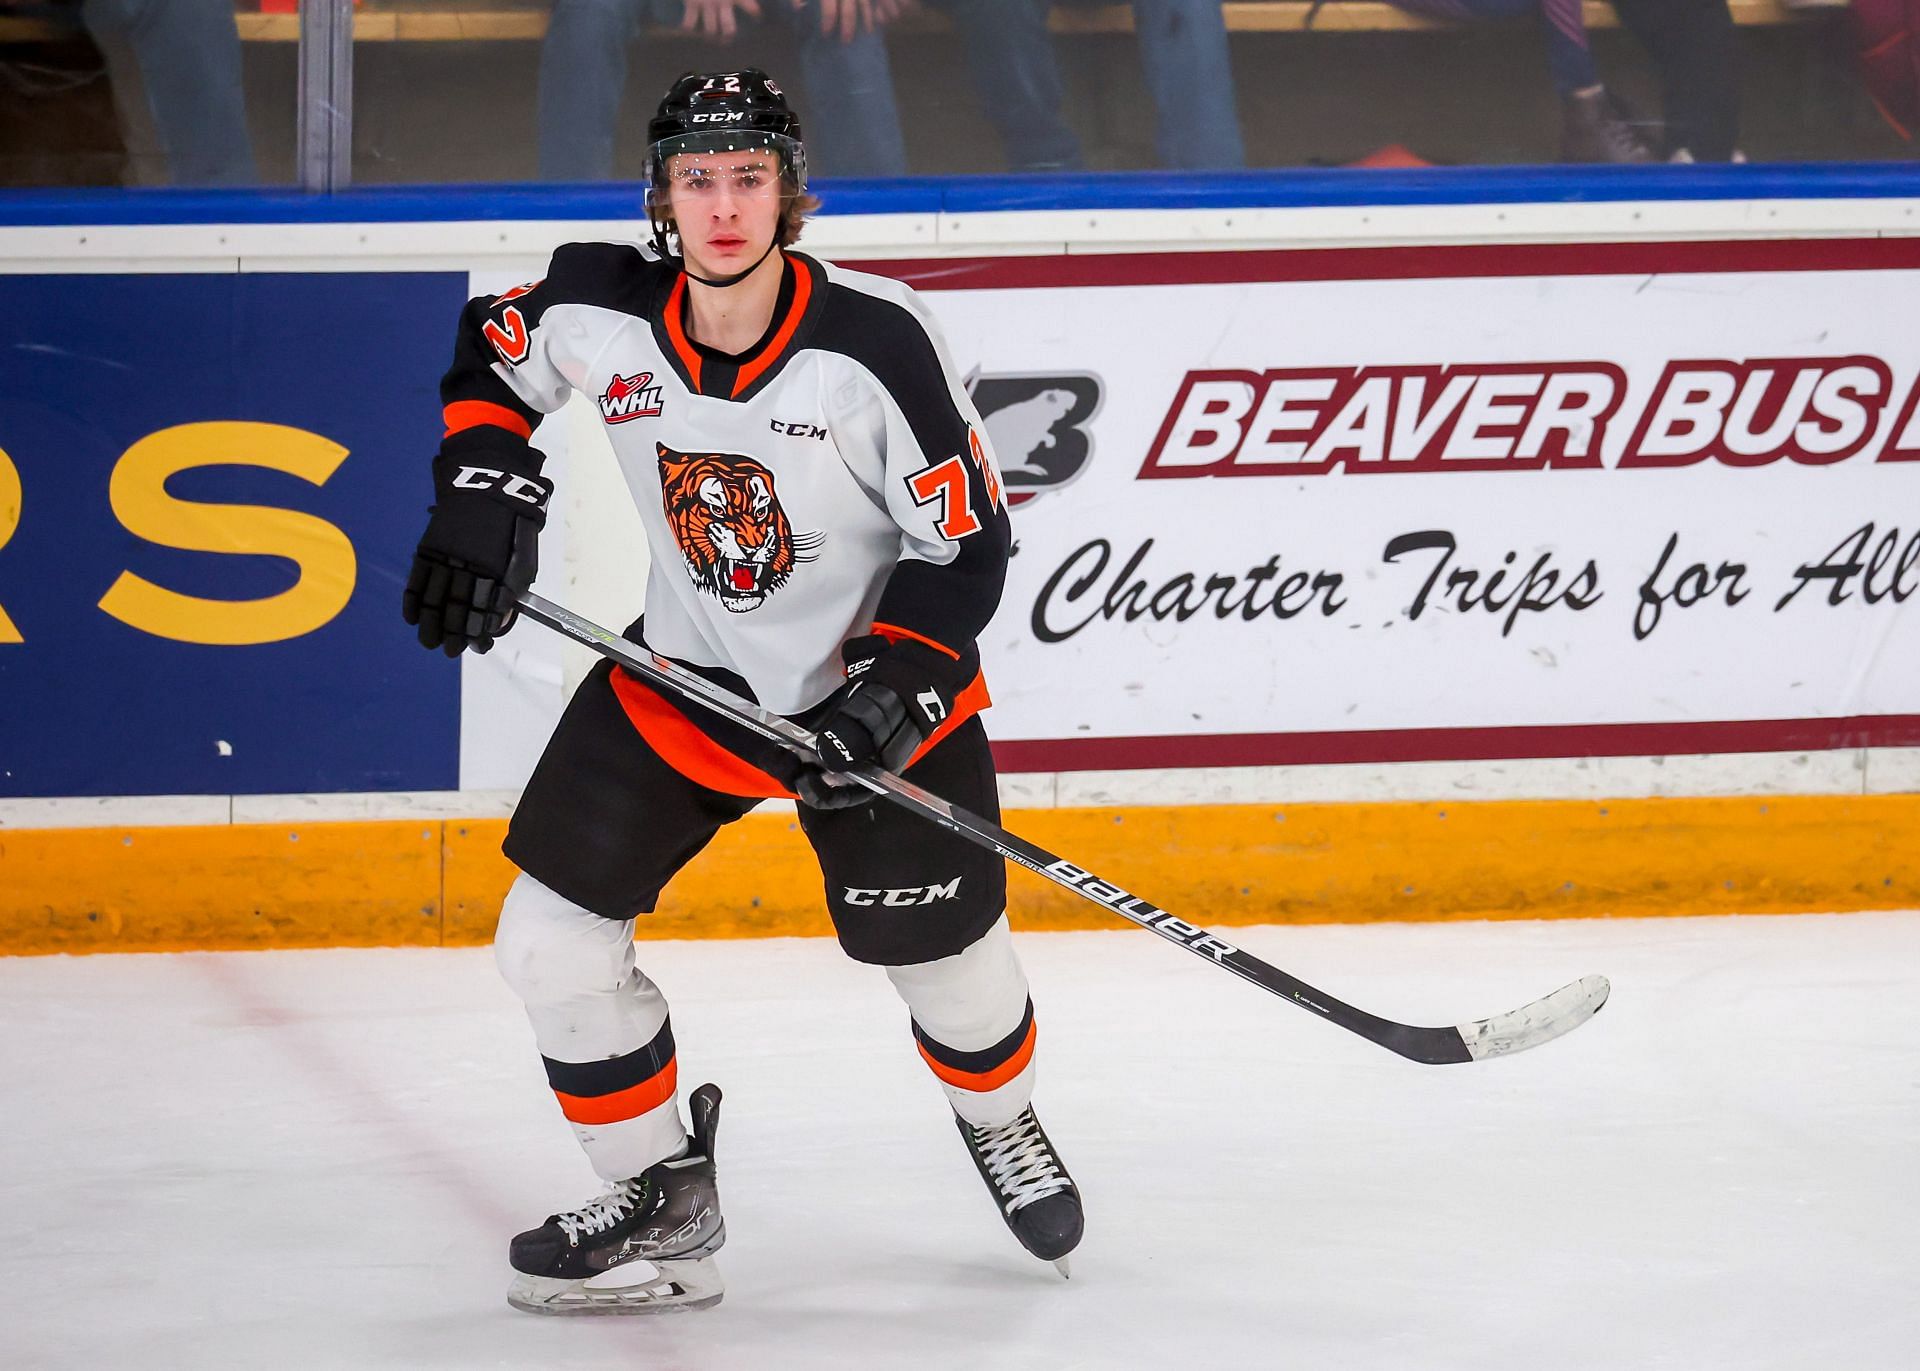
x,y
981,1062
611,1075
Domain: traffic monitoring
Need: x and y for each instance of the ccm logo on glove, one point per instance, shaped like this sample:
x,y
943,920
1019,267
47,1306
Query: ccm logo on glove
x,y
480,550
508,483
896,695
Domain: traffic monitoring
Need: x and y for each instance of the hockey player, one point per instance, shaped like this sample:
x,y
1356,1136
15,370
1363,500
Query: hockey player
x,y
828,537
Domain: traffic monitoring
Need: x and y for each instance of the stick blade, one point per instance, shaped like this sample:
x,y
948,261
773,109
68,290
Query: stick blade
x,y
1540,1022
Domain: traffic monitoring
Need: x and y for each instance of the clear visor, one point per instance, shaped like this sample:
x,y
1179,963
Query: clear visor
x,y
704,157
745,173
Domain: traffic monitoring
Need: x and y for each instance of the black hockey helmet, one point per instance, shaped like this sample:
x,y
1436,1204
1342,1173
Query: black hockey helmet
x,y
727,111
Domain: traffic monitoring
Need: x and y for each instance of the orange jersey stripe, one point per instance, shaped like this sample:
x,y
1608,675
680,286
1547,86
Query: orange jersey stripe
x,y
802,291
630,1103
701,760
678,334
986,1080
686,749
967,704
893,633
465,414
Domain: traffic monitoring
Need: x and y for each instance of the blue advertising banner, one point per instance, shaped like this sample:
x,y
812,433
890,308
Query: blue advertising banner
x,y
210,488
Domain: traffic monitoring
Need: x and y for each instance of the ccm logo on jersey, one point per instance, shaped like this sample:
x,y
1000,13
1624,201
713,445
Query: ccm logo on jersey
x,y
515,486
921,894
630,397
797,430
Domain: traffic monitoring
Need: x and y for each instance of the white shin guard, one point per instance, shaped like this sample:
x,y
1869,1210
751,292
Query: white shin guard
x,y
588,1002
970,1002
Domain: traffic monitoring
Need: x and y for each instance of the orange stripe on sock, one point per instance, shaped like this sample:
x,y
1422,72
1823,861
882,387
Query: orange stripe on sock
x,y
967,704
630,1103
465,414
987,1080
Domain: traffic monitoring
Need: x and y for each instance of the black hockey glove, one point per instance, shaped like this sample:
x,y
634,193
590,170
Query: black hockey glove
x,y
895,696
480,548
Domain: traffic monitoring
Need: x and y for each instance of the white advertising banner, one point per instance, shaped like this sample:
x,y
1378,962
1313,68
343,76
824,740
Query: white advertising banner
x,y
1278,507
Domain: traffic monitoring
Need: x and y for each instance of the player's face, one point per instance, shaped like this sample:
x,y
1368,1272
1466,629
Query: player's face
x,y
727,207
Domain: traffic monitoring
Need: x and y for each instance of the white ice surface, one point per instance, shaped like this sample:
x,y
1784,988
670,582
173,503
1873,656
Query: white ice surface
x,y
315,1159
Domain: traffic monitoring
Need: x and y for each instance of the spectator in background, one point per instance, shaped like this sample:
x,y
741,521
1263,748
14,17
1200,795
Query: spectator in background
x,y
1887,37
188,54
1594,125
1183,51
1694,55
853,127
843,60
1691,44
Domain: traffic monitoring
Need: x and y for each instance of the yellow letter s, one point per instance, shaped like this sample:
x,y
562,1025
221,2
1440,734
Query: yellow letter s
x,y
9,521
140,501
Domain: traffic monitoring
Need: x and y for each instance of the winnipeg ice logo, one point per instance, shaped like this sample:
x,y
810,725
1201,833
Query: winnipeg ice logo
x,y
1038,427
630,397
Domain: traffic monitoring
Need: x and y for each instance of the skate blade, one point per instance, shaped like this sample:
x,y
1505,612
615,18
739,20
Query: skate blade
x,y
675,1286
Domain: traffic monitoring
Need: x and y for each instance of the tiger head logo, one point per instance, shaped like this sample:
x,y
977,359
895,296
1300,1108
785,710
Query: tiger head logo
x,y
732,532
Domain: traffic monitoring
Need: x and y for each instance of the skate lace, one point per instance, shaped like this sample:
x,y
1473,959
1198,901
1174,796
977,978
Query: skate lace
x,y
1020,1162
603,1213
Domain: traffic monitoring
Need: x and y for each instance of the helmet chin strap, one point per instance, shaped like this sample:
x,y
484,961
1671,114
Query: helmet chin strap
x,y
724,281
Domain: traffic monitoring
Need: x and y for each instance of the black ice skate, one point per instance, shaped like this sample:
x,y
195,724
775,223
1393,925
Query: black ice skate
x,y
667,1217
1036,1196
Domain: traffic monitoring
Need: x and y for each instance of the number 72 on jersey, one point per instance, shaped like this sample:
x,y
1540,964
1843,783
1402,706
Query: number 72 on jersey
x,y
947,482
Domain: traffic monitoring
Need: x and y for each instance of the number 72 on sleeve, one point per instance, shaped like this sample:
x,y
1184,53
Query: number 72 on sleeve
x,y
947,482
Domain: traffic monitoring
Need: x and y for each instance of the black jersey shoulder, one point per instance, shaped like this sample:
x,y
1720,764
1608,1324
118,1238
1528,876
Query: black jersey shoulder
x,y
617,276
502,329
890,339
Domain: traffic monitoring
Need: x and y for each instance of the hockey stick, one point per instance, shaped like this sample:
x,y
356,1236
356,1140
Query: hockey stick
x,y
1529,1026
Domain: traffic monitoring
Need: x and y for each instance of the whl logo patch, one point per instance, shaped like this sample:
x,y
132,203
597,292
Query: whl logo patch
x,y
630,397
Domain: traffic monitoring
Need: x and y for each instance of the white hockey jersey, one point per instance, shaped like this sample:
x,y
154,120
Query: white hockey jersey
x,y
832,481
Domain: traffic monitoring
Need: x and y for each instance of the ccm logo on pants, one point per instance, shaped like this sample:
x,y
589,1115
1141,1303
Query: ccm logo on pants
x,y
921,894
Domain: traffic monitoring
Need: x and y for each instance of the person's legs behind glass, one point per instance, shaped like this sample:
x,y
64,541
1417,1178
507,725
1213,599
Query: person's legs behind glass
x,y
1011,61
189,57
583,75
1183,51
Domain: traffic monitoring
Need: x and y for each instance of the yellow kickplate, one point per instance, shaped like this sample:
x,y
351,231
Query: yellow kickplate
x,y
225,886
757,879
386,883
1519,859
